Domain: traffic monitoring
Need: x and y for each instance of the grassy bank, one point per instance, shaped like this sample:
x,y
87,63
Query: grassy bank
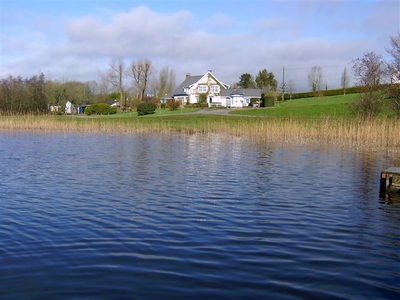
x,y
315,108
380,134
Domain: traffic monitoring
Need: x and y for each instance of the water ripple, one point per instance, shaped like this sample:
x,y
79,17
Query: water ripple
x,y
191,217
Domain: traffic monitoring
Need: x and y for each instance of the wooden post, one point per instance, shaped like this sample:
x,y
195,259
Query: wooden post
x,y
382,187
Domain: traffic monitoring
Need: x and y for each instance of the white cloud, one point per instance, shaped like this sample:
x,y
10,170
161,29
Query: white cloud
x,y
230,44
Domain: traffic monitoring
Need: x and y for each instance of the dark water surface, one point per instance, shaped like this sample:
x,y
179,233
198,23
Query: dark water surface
x,y
192,217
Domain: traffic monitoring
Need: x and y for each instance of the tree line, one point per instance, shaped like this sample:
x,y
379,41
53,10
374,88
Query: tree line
x,y
38,95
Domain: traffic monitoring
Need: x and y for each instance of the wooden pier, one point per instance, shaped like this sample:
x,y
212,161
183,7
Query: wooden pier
x,y
390,182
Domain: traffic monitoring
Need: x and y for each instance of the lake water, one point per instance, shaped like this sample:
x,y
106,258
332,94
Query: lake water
x,y
97,216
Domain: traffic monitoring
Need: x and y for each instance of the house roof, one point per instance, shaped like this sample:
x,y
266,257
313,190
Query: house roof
x,y
249,93
113,103
166,97
191,80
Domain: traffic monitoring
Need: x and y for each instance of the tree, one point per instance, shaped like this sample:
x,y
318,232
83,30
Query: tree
x,y
56,93
291,88
37,93
394,72
115,77
12,95
315,78
165,82
246,81
266,81
77,92
368,71
283,87
140,72
23,96
345,80
394,65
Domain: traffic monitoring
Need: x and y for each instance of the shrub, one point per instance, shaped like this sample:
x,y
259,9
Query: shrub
x,y
173,104
100,109
203,99
151,100
146,108
369,105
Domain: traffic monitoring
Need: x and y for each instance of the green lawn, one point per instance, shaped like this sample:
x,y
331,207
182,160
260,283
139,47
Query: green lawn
x,y
307,108
333,106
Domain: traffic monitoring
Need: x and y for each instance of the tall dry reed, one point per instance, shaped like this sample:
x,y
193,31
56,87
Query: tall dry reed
x,y
354,133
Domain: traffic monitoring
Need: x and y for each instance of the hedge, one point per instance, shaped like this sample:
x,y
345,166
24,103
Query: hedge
x,y
100,109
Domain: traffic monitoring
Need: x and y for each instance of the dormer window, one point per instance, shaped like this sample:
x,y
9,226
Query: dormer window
x,y
202,88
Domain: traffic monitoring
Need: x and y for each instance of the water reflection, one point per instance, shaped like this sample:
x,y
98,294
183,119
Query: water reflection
x,y
193,216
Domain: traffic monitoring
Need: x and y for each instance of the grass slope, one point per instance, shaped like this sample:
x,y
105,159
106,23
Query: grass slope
x,y
333,107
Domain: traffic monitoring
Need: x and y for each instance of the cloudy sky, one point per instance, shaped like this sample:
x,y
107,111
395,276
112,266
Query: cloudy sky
x,y
78,39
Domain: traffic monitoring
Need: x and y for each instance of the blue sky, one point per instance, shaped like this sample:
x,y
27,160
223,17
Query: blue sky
x,y
78,40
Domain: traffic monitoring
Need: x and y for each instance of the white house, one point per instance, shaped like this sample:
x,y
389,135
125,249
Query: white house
x,y
218,93
190,89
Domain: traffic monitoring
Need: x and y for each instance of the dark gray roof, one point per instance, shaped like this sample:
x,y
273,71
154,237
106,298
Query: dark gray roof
x,y
167,96
248,93
187,83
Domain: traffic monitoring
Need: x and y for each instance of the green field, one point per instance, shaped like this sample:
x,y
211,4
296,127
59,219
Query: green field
x,y
331,107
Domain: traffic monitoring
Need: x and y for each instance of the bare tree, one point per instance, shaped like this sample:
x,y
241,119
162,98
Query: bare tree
x,y
369,71
394,72
315,78
115,76
345,80
140,72
93,87
165,82
394,65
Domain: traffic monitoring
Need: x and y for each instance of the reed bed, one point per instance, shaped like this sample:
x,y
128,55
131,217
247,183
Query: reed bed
x,y
352,133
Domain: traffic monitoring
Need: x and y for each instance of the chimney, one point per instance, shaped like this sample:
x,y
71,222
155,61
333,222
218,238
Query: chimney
x,y
235,86
188,75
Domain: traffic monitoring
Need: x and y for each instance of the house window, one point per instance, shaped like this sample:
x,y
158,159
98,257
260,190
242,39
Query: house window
x,y
215,89
202,88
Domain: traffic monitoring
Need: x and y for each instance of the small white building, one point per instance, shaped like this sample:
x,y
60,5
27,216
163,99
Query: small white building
x,y
236,98
68,107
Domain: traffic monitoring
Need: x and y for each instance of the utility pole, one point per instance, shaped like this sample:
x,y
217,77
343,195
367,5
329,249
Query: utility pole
x,y
283,83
